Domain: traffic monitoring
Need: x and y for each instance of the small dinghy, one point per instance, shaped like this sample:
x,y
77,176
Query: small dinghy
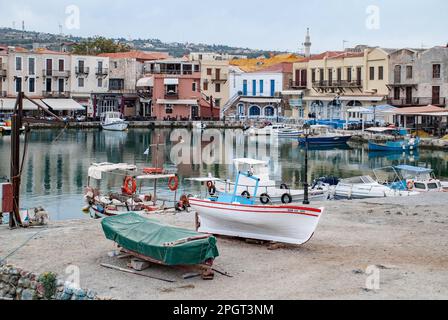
x,y
156,242
238,216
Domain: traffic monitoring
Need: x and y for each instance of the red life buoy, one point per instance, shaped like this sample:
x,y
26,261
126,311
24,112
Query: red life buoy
x,y
173,183
410,185
129,186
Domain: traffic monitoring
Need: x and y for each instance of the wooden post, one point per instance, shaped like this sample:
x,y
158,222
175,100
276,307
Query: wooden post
x,y
16,123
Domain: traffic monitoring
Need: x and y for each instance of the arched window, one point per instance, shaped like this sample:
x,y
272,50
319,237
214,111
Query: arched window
x,y
254,111
269,111
354,103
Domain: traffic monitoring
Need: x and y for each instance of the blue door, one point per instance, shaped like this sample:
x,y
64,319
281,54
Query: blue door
x,y
245,88
272,88
261,86
254,87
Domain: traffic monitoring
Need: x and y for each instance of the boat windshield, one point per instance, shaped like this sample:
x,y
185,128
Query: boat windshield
x,y
359,180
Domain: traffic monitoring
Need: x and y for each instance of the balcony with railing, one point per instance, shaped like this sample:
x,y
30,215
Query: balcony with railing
x,y
337,84
56,73
3,70
422,101
170,95
56,94
102,72
216,78
298,84
82,71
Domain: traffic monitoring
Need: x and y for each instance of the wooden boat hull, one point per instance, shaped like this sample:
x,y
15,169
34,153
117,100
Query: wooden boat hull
x,y
286,224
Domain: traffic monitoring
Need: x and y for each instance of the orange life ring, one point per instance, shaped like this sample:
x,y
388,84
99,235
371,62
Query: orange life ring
x,y
210,185
173,183
410,185
129,186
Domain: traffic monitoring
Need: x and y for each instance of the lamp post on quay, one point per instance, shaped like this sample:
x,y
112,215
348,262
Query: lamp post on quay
x,y
306,132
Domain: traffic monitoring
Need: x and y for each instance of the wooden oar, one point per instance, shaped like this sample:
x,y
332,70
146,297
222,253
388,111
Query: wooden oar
x,y
109,266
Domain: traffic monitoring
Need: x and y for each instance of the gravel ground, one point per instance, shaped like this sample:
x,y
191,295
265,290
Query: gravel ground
x,y
405,238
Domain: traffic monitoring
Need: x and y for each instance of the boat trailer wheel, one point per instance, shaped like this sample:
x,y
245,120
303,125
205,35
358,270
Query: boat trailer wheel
x,y
286,198
265,198
246,194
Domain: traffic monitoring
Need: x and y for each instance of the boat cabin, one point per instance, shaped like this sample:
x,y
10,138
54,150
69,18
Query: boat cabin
x,y
419,179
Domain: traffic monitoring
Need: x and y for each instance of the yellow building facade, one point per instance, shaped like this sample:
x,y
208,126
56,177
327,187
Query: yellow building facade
x,y
335,82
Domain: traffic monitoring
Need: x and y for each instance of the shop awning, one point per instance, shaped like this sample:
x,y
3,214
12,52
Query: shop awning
x,y
146,82
292,92
260,100
178,101
362,98
8,104
321,98
417,111
171,81
63,105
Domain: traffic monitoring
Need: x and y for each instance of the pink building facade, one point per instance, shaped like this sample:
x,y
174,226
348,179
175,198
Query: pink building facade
x,y
176,91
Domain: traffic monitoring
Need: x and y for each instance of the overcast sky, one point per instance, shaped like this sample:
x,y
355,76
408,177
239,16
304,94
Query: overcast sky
x,y
258,24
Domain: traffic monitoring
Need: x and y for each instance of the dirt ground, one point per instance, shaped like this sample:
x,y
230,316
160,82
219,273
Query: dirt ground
x,y
405,238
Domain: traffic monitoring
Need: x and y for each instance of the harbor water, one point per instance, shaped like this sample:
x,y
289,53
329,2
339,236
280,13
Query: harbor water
x,y
56,164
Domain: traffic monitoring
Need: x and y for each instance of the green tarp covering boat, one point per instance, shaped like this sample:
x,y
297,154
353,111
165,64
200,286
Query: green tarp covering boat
x,y
168,245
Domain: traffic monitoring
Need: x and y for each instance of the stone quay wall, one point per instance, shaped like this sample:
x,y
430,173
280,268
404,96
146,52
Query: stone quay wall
x,y
18,284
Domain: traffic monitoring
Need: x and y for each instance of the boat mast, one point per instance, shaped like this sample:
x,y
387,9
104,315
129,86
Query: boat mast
x,y
16,124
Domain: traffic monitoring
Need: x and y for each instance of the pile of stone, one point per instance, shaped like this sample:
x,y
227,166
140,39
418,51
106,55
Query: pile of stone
x,y
18,284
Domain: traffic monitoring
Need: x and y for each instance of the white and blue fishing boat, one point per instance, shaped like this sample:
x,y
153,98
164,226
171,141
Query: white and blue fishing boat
x,y
235,215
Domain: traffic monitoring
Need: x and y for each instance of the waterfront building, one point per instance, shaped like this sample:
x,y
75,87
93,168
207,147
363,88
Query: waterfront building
x,y
336,81
176,91
3,71
38,73
419,77
215,81
256,86
125,69
89,77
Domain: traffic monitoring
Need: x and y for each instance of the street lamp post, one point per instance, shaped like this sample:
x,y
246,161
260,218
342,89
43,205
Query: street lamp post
x,y
306,132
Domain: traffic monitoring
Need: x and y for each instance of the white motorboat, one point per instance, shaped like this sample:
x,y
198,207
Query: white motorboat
x,y
365,187
267,191
111,121
238,216
419,179
280,130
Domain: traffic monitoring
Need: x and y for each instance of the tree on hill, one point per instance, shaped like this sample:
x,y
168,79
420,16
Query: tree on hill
x,y
98,45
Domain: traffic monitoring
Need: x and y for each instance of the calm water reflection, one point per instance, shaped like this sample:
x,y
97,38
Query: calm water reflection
x,y
55,172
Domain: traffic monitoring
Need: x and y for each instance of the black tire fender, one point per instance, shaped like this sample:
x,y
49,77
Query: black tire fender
x,y
265,198
286,198
245,194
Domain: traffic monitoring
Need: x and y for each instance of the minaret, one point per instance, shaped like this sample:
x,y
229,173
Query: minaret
x,y
307,44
